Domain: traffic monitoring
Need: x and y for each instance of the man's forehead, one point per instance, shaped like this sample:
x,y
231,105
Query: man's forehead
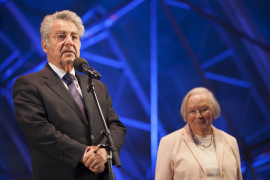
x,y
62,26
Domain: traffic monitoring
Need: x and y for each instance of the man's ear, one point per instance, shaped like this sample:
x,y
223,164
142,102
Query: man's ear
x,y
44,46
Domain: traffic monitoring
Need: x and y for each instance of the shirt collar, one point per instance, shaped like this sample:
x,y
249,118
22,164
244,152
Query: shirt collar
x,y
60,72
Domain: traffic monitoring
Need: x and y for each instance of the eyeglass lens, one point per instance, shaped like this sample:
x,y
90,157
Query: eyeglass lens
x,y
62,37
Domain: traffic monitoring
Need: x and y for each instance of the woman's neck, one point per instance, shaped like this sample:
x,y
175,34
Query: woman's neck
x,y
203,132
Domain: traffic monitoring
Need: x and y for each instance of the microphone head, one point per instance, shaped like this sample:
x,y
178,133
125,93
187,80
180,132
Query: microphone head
x,y
78,62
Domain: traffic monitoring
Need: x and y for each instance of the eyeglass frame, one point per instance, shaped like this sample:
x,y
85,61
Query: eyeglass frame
x,y
198,110
59,34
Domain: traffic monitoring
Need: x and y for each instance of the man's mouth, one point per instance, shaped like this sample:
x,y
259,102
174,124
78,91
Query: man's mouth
x,y
68,51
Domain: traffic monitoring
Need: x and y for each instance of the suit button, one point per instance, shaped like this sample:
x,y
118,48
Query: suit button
x,y
61,157
92,137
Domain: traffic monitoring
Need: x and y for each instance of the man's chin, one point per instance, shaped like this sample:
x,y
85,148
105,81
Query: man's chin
x,y
68,60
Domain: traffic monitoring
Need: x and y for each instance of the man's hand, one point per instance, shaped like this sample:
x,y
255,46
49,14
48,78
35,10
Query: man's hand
x,y
95,161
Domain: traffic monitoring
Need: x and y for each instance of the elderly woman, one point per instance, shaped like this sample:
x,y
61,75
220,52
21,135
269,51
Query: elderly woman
x,y
198,150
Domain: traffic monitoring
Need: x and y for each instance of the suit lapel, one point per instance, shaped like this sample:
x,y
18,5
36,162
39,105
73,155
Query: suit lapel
x,y
56,84
219,145
192,146
87,96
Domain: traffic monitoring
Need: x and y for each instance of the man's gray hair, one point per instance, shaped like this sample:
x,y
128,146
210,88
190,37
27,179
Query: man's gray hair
x,y
64,15
200,90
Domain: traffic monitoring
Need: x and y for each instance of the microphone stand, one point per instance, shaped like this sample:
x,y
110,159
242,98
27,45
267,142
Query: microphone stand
x,y
111,149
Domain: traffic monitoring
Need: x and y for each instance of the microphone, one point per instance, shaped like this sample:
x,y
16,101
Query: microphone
x,y
81,65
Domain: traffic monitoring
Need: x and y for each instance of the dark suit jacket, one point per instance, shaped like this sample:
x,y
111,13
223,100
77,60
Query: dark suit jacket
x,y
56,128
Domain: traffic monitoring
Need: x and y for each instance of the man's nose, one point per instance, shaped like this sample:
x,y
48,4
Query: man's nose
x,y
69,41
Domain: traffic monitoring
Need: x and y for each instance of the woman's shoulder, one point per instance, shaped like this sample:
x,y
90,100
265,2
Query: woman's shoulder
x,y
174,136
225,135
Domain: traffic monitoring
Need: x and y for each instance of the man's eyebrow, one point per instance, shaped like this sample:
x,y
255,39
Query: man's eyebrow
x,y
64,32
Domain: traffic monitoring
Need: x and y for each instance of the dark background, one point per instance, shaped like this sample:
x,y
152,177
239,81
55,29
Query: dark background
x,y
147,52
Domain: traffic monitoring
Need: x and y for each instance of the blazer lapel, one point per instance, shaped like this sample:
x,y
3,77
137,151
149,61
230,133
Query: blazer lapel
x,y
192,146
87,96
56,84
219,145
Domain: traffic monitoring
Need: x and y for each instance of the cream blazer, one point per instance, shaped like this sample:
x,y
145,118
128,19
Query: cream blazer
x,y
179,158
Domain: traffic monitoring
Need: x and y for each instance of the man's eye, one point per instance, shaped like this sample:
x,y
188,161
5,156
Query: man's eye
x,y
61,36
75,37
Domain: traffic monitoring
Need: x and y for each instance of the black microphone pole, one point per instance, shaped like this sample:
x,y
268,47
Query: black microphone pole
x,y
81,65
111,149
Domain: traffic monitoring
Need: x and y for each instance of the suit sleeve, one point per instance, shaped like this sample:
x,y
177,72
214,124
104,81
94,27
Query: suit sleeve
x,y
164,165
40,133
117,129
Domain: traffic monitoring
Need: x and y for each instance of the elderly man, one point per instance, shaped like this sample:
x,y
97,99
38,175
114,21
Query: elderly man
x,y
57,114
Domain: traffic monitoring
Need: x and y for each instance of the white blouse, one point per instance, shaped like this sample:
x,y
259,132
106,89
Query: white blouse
x,y
209,158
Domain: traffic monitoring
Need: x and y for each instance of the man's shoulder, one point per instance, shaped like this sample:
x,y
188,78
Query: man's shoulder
x,y
26,82
30,76
83,77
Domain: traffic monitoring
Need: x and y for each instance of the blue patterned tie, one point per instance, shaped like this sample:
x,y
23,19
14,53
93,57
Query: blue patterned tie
x,y
69,80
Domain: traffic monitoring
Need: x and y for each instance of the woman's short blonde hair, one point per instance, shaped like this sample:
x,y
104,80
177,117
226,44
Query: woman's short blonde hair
x,y
200,90
64,15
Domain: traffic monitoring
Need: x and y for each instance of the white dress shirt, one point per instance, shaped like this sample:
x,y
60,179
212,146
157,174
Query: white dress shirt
x,y
61,74
209,158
